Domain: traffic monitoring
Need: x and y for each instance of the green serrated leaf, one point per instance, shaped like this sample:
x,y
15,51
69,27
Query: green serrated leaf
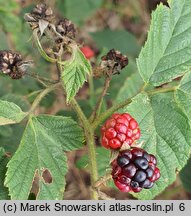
x,y
166,54
11,143
183,95
40,150
10,113
185,176
63,130
165,132
74,73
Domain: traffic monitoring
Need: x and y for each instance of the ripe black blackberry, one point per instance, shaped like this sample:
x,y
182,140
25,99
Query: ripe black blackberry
x,y
134,170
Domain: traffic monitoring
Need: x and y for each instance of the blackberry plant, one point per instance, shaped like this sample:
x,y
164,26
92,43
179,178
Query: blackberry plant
x,y
139,140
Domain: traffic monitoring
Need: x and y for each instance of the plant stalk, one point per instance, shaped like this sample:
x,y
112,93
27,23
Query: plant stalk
x,y
162,90
91,89
88,130
97,109
41,96
109,112
116,107
42,79
89,136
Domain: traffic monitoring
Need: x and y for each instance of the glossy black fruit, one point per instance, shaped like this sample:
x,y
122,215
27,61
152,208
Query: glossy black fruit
x,y
141,163
122,161
135,169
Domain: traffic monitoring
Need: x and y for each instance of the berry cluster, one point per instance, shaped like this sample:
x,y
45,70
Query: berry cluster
x,y
135,169
118,130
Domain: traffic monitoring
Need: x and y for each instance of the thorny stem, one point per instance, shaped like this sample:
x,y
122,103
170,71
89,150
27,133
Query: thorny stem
x,y
116,107
97,109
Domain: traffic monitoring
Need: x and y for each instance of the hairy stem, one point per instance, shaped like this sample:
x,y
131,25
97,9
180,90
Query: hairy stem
x,y
97,109
33,93
42,79
89,135
116,107
161,90
91,89
88,131
41,96
109,112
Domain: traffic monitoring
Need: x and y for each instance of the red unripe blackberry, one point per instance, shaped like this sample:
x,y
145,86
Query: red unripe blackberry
x,y
88,52
134,170
119,129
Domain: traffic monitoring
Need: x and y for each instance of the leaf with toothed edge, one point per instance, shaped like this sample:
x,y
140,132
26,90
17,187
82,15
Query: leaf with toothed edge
x,y
74,73
41,151
183,95
165,132
183,98
167,51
